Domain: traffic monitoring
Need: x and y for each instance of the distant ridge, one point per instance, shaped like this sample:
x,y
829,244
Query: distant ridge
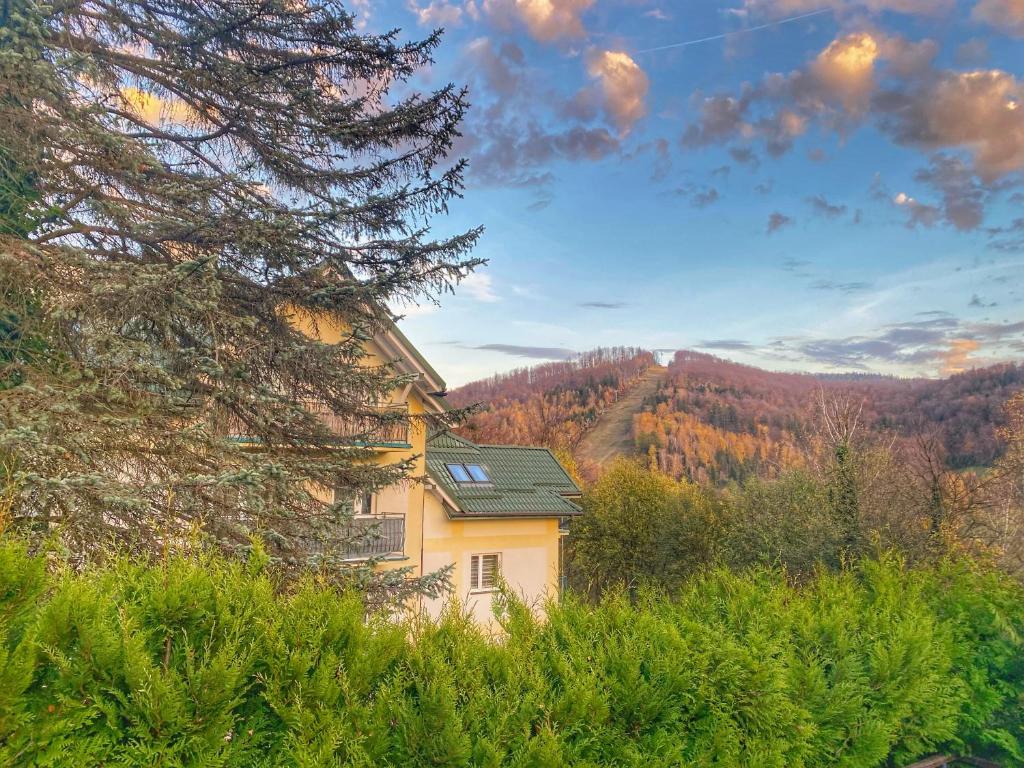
x,y
715,420
854,376
552,404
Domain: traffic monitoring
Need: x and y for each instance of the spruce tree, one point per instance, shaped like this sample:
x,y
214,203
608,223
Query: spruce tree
x,y
183,183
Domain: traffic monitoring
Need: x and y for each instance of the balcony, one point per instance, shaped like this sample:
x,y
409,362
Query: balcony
x,y
377,536
388,427
367,537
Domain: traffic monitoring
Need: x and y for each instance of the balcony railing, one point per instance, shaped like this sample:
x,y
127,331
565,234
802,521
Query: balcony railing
x,y
387,427
390,427
378,536
363,538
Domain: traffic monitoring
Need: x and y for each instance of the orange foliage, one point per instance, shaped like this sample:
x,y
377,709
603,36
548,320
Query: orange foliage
x,y
551,404
686,446
715,421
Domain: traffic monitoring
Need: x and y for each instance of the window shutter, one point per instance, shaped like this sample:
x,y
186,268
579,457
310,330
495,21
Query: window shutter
x,y
483,571
489,571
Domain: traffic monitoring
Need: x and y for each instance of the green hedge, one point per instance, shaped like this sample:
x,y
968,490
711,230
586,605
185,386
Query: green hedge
x,y
209,663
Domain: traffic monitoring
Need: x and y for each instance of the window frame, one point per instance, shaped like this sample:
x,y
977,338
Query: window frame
x,y
465,467
454,467
476,587
486,476
367,501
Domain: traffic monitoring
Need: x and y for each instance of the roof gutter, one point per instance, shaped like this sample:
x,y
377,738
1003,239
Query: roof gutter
x,y
517,515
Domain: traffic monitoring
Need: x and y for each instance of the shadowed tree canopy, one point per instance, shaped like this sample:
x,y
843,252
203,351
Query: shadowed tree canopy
x,y
182,182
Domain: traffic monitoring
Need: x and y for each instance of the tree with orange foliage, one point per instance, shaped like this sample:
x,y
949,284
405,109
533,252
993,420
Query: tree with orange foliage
x,y
552,404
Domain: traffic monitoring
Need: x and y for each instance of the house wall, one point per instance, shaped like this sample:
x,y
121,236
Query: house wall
x,y
405,497
529,557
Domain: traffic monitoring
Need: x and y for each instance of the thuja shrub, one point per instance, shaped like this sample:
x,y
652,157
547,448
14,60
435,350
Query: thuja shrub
x,y
203,661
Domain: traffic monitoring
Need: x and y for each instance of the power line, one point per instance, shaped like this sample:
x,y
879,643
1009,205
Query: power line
x,y
724,35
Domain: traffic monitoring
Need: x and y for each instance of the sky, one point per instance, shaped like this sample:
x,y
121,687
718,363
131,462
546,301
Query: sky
x,y
815,185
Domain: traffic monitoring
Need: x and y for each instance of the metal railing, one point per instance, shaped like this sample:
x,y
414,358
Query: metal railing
x,y
374,536
386,426
363,538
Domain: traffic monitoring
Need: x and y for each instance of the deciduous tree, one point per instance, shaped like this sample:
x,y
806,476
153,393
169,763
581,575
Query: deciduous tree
x,y
641,527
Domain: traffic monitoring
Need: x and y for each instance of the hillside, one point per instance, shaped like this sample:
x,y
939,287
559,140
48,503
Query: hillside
x,y
612,435
713,420
551,404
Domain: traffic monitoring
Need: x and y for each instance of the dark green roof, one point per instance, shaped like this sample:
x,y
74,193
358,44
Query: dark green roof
x,y
525,482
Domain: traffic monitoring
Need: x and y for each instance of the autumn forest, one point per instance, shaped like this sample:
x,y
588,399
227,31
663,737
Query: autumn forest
x,y
716,421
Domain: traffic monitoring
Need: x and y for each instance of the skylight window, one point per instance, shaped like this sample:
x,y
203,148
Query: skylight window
x,y
459,473
468,473
478,473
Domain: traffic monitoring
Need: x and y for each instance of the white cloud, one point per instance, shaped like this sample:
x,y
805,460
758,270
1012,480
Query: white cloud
x,y
1004,15
415,310
979,111
912,101
479,286
438,13
527,292
918,213
657,14
846,69
776,8
361,10
545,20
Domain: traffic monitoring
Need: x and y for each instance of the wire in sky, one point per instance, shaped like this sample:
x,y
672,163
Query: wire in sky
x,y
724,35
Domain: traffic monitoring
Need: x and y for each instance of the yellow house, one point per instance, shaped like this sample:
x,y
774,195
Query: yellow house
x,y
493,513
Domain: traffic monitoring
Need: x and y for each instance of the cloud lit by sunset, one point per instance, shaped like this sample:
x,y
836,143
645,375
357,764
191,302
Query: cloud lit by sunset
x,y
624,86
155,109
957,358
669,170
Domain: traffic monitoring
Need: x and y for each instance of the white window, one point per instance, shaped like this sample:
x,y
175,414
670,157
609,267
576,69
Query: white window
x,y
360,503
483,572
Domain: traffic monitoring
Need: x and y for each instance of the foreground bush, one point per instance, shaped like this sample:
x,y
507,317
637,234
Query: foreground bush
x,y
207,663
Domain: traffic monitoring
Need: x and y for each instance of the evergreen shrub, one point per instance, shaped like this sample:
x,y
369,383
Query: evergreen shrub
x,y
203,661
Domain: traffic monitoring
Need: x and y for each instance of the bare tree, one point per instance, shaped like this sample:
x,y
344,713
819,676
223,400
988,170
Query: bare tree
x,y
840,417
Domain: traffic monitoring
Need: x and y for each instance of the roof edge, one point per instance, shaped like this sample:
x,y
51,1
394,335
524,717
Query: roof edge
x,y
420,360
436,487
515,515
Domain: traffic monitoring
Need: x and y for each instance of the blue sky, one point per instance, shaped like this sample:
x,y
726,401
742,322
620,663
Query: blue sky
x,y
840,187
